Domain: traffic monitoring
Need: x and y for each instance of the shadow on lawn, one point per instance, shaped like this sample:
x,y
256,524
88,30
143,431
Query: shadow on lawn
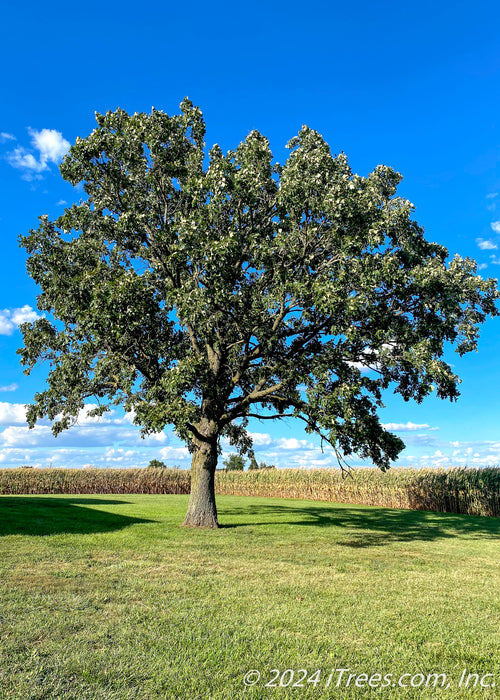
x,y
375,526
31,515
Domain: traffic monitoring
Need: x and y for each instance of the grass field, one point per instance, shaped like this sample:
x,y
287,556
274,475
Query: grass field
x,y
107,597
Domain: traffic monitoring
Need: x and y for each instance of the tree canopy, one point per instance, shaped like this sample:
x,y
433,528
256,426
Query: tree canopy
x,y
200,290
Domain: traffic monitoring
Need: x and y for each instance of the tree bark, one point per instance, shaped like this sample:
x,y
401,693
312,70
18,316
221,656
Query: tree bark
x,y
202,511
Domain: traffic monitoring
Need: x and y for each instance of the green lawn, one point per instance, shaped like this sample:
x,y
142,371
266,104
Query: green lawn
x,y
108,597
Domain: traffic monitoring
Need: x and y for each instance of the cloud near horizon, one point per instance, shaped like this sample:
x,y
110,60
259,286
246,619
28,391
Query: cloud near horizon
x,y
77,436
113,440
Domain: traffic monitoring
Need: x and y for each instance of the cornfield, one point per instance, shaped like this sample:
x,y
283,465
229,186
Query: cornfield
x,y
44,481
453,490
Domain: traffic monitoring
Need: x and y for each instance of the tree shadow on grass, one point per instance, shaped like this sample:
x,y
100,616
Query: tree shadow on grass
x,y
369,526
31,515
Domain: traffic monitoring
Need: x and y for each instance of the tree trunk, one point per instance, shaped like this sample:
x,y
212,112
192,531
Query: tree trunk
x,y
202,511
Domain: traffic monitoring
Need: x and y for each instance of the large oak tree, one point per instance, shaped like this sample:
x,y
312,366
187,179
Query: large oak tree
x,y
199,292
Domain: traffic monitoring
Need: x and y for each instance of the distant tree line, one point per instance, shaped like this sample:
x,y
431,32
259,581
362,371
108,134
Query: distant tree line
x,y
235,462
157,464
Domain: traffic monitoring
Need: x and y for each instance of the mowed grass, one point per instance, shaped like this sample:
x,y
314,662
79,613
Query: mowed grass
x,y
108,597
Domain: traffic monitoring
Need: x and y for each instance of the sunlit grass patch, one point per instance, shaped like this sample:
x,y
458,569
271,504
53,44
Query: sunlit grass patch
x,y
108,597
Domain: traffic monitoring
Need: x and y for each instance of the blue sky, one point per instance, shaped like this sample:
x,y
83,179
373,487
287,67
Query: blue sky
x,y
412,85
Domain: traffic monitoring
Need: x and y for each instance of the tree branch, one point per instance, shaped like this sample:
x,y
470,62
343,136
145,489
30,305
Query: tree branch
x,y
254,397
277,415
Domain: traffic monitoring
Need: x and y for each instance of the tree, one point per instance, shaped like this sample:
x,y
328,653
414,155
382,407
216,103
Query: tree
x,y
234,463
253,463
199,294
156,464
263,465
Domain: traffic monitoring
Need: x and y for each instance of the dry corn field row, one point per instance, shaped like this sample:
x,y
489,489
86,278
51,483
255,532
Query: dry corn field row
x,y
454,490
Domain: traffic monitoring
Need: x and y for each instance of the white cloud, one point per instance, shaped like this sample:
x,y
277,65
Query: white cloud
x,y
18,434
12,414
9,387
51,147
308,461
11,318
88,431
492,195
287,452
24,160
406,427
65,458
108,417
292,444
61,203
419,440
118,455
178,453
368,363
368,359
438,459
25,313
261,438
149,439
482,266
112,441
6,137
486,245
495,225
11,455
126,419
